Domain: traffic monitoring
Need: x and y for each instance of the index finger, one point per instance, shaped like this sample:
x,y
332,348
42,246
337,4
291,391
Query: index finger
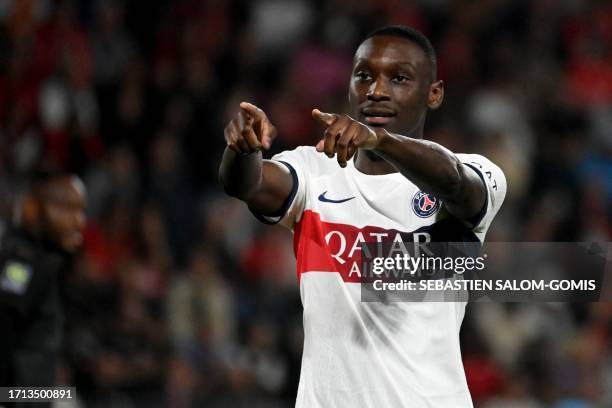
x,y
326,119
244,119
253,110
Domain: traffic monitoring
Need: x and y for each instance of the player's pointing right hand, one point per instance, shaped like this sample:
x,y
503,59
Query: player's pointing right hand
x,y
250,131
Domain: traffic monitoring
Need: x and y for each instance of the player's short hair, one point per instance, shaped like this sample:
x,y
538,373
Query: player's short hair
x,y
32,184
37,181
41,176
413,35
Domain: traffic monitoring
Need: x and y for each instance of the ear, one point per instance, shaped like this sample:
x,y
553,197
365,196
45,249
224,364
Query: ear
x,y
30,210
436,95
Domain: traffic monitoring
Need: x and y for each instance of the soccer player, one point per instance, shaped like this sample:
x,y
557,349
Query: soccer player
x,y
371,178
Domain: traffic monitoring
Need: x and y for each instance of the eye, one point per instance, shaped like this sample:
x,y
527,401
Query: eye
x,y
363,76
401,79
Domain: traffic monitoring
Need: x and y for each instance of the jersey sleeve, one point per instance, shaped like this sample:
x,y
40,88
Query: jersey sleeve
x,y
494,181
298,163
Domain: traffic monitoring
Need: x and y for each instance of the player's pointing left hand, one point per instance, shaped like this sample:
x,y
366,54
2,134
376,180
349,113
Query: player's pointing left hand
x,y
343,135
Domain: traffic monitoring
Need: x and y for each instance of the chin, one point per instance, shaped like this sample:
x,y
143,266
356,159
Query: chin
x,y
71,247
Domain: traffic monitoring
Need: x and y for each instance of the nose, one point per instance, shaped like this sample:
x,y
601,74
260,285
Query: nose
x,y
378,91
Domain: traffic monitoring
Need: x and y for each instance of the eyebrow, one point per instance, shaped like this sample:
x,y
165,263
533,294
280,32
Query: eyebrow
x,y
399,63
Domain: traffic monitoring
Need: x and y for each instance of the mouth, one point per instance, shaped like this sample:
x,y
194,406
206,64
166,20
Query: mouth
x,y
74,241
377,117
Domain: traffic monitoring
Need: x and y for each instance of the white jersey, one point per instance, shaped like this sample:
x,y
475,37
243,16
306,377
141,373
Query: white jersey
x,y
374,355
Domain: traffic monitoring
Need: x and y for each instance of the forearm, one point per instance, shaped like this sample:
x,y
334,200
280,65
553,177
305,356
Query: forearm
x,y
432,167
240,175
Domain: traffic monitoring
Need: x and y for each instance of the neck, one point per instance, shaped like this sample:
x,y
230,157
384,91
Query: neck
x,y
369,162
35,233
30,230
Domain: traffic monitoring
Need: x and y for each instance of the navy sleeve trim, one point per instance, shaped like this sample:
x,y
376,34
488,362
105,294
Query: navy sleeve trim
x,y
475,220
283,210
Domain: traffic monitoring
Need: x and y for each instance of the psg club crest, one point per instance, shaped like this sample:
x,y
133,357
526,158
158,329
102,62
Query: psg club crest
x,y
424,204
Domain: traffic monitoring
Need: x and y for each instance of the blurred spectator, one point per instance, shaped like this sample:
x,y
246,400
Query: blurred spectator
x,y
36,255
202,303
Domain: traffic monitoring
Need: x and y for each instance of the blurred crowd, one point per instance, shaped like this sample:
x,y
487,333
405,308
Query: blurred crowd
x,y
179,297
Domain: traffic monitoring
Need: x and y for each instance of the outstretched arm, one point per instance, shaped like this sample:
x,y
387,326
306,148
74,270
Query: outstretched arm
x,y
432,167
263,185
436,170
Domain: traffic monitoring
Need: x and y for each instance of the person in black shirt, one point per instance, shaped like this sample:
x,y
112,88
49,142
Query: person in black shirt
x,y
33,254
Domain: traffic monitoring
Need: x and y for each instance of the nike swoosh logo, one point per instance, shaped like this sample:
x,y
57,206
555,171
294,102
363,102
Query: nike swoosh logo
x,y
329,200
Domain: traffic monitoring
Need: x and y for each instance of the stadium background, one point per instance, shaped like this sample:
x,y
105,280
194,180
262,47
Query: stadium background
x,y
179,297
